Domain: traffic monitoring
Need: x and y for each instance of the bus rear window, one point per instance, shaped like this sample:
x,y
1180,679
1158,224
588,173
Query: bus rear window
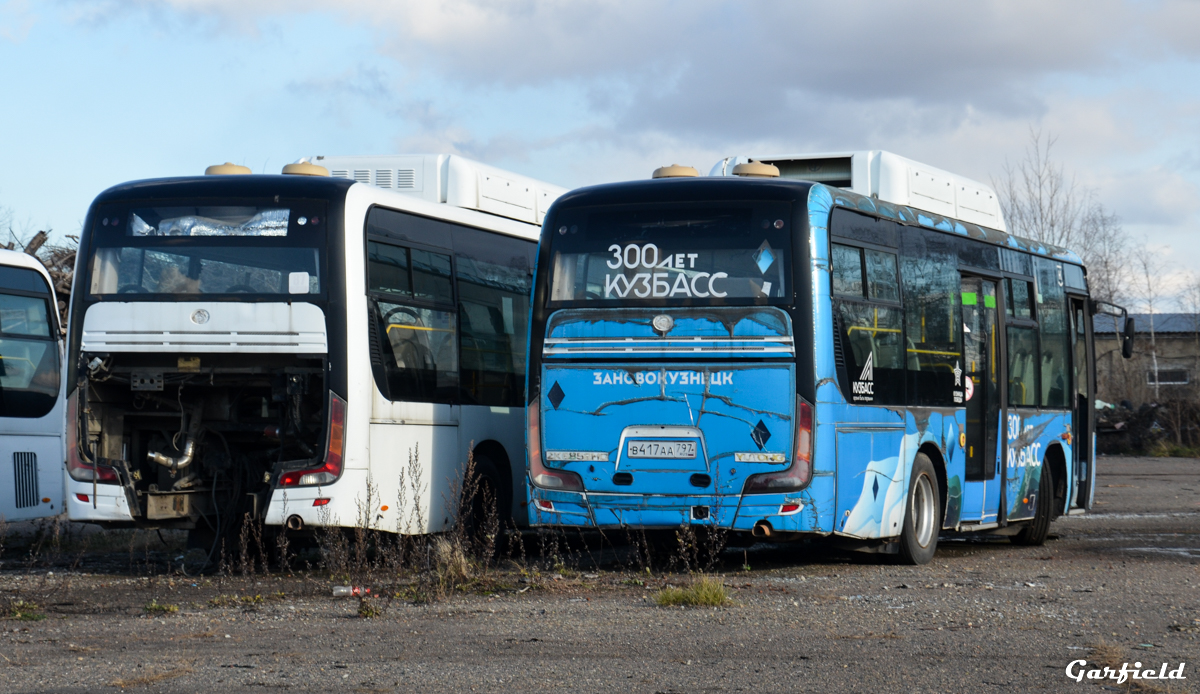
x,y
241,246
669,254
210,221
205,270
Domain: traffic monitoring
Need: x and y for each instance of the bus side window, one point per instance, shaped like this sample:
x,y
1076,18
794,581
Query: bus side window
x,y
870,330
932,316
1027,367
1022,366
413,304
29,358
1017,302
1052,329
493,299
847,271
882,282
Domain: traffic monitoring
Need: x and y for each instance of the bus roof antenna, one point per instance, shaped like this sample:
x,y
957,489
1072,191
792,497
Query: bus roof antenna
x,y
756,169
303,168
675,171
227,169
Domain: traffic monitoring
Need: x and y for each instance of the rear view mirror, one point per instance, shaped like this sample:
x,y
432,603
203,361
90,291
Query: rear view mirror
x,y
1127,338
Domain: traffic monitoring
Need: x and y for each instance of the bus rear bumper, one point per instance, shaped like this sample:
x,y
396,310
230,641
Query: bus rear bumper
x,y
777,511
590,510
107,504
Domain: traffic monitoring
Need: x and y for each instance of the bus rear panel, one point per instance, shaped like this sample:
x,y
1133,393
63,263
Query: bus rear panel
x,y
666,385
203,370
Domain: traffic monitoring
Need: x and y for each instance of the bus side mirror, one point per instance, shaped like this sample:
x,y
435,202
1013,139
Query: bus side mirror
x,y
1127,338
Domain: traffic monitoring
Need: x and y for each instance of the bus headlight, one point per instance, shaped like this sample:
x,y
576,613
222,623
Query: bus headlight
x,y
799,473
539,474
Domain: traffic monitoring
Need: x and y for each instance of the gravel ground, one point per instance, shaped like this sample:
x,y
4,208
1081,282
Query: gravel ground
x,y
984,616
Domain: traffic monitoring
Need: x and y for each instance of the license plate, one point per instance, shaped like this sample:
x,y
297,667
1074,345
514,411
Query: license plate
x,y
678,450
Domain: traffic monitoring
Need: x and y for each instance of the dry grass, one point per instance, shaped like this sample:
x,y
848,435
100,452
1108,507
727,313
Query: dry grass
x,y
158,609
151,677
1105,654
244,600
703,592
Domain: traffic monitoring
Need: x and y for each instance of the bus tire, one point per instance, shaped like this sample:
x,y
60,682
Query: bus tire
x,y
1034,533
922,514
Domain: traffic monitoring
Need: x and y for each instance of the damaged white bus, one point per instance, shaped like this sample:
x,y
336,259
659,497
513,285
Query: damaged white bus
x,y
295,347
31,411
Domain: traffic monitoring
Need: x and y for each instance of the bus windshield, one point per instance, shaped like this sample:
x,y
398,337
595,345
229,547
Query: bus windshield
x,y
737,252
237,248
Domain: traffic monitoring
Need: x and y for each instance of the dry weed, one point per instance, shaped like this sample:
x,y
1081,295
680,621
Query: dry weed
x,y
152,677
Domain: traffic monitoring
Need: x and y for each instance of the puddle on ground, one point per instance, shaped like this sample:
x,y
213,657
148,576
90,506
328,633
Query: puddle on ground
x,y
1189,552
1112,516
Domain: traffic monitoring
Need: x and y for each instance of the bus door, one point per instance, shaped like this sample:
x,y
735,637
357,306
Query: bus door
x,y
981,390
1082,404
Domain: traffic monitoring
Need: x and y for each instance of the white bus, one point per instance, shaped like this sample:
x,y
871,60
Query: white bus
x,y
31,394
283,346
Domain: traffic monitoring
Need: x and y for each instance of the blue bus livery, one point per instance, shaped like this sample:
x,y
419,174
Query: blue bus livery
x,y
946,383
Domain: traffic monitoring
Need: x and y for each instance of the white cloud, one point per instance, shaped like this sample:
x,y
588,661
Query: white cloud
x,y
662,81
16,20
716,70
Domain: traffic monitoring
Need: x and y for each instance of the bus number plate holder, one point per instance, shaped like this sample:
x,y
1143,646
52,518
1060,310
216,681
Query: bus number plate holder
x,y
146,380
662,449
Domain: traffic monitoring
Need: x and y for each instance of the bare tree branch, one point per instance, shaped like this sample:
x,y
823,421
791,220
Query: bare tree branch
x,y
58,259
1150,267
1040,203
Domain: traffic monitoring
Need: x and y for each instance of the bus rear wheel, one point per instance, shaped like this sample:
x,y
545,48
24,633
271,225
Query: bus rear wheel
x,y
922,517
1034,533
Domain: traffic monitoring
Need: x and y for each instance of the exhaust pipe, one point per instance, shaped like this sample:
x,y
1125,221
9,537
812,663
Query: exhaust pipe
x,y
295,522
189,446
762,529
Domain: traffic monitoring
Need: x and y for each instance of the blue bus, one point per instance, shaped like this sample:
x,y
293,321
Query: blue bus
x,y
786,359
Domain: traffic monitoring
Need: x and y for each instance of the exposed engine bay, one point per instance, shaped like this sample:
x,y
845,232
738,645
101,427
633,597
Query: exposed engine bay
x,y
197,442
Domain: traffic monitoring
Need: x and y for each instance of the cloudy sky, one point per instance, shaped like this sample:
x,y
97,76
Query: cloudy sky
x,y
95,92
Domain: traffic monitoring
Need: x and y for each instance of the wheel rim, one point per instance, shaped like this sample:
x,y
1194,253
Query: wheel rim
x,y
922,511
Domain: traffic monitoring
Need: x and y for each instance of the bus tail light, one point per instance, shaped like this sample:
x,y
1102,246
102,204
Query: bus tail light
x,y
80,469
799,473
539,474
335,451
